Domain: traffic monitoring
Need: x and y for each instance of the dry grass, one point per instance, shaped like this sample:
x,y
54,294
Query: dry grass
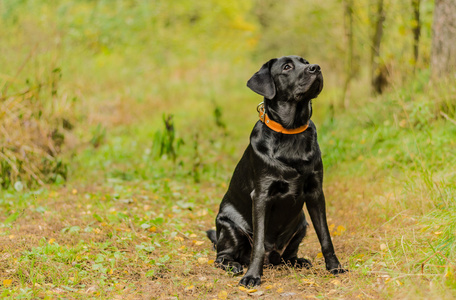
x,y
87,242
31,140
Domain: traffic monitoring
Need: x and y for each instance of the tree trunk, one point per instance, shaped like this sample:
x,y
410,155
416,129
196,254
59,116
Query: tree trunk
x,y
378,71
416,30
443,52
348,22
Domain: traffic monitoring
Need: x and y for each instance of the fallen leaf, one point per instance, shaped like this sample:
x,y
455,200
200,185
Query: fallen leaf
x,y
383,247
258,293
222,295
319,255
51,241
341,229
279,290
198,243
336,282
74,191
287,294
247,290
309,281
7,282
202,260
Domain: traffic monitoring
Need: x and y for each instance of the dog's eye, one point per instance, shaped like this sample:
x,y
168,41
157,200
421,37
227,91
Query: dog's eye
x,y
287,67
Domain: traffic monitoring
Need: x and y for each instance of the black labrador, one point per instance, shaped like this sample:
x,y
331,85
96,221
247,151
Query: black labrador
x,y
261,219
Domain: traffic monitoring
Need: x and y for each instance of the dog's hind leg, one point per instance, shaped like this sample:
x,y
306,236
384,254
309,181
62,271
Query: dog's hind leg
x,y
233,248
290,255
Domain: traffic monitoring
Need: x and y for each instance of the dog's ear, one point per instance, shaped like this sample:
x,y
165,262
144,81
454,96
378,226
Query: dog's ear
x,y
262,82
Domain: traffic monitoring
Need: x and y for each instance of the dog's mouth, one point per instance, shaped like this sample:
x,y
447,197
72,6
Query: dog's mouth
x,y
310,89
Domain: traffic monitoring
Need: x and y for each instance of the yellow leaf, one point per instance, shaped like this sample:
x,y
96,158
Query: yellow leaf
x,y
247,290
190,287
7,282
202,260
309,281
222,295
398,282
178,238
210,261
51,241
74,191
341,228
198,243
279,290
153,229
268,287
319,255
336,282
111,271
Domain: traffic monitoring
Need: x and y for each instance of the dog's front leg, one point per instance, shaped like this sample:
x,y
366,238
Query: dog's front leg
x,y
253,275
317,211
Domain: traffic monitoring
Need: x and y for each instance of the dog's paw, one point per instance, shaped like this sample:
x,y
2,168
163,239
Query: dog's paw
x,y
299,263
233,268
338,271
250,281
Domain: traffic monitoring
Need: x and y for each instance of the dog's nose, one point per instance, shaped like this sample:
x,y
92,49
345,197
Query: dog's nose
x,y
312,69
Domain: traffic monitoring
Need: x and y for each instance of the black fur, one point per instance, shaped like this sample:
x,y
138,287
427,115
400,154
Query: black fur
x,y
261,220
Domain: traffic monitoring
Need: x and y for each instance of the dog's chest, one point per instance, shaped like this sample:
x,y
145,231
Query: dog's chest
x,y
295,152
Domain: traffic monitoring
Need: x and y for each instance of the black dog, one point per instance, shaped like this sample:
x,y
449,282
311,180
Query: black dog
x,y
261,220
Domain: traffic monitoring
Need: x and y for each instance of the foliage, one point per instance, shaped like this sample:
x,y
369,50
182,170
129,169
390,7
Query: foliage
x,y
34,125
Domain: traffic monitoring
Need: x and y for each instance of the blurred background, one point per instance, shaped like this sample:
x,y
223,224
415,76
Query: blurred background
x,y
74,71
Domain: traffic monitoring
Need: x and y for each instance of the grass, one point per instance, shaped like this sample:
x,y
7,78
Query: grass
x,y
157,134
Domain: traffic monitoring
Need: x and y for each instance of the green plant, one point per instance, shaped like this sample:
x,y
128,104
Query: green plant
x,y
165,142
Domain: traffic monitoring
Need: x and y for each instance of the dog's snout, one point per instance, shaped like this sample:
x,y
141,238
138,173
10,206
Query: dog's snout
x,y
313,69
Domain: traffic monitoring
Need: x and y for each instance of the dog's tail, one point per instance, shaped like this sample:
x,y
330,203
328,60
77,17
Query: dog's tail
x,y
212,235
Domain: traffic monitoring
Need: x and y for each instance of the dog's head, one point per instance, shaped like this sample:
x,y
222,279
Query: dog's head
x,y
289,78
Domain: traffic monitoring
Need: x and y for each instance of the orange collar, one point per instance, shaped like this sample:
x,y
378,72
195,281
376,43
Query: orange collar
x,y
276,126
